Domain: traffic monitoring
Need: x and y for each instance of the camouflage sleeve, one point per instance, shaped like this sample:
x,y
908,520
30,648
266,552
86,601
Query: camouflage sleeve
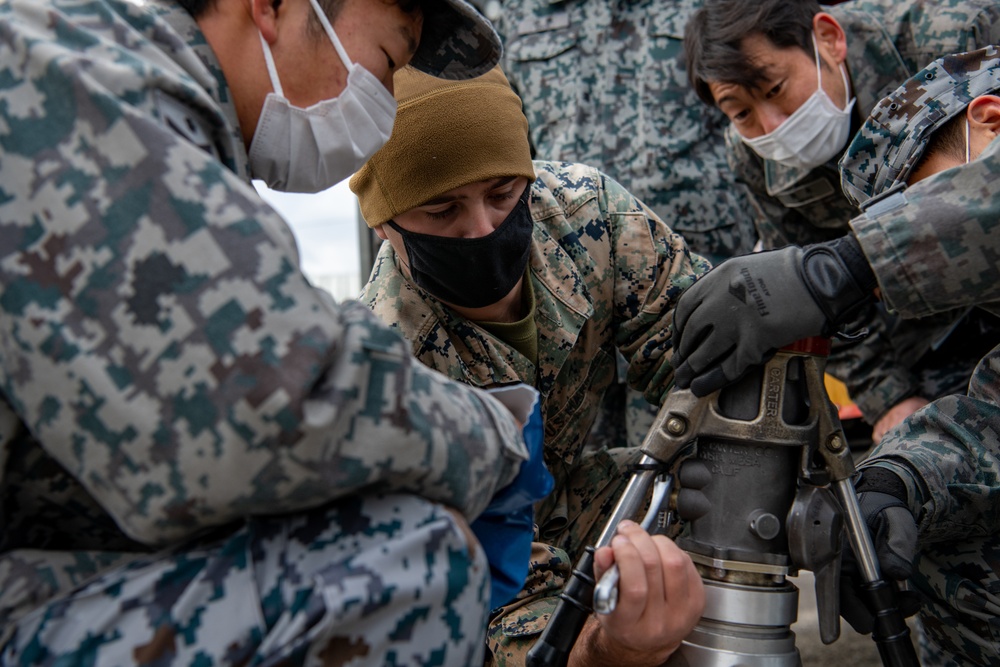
x,y
948,455
933,247
652,265
870,366
878,369
159,340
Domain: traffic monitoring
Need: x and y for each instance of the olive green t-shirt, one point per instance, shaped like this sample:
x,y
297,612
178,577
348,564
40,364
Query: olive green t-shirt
x,y
523,334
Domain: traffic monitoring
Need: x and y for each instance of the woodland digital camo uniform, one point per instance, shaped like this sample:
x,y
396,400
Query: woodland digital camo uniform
x,y
887,41
934,246
603,83
166,372
605,273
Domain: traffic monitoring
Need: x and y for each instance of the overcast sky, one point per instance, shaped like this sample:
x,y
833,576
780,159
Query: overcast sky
x,y
325,225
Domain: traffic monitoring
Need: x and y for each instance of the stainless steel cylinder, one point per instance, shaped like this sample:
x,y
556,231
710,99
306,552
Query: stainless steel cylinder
x,y
743,626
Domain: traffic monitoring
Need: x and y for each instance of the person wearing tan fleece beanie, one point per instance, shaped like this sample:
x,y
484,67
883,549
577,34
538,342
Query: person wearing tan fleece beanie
x,y
501,270
438,161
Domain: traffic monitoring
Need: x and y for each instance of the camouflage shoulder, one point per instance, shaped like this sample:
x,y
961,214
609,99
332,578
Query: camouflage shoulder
x,y
403,306
941,27
385,282
573,184
562,187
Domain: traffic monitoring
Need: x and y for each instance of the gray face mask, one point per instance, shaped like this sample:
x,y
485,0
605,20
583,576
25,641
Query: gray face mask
x,y
308,150
472,273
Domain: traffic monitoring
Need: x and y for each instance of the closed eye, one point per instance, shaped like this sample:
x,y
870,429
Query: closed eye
x,y
443,214
501,196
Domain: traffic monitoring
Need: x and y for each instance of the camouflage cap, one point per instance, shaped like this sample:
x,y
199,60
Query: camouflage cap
x,y
893,139
457,41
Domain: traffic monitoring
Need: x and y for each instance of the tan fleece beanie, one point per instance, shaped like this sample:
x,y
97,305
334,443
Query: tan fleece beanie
x,y
447,134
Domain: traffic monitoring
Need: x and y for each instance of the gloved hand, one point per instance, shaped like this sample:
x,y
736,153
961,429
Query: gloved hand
x,y
894,533
506,527
739,313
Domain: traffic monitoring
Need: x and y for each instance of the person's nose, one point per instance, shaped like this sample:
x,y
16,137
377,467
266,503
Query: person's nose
x,y
770,117
482,221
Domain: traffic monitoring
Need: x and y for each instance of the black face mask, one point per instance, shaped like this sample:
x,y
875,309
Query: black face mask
x,y
472,273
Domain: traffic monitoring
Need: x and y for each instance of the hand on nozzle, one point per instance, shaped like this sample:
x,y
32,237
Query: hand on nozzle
x,y
893,532
660,599
739,313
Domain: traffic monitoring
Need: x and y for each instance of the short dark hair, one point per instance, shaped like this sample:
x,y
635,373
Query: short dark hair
x,y
332,7
195,7
948,140
714,36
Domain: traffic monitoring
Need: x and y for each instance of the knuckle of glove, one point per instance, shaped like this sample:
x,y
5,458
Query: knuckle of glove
x,y
894,532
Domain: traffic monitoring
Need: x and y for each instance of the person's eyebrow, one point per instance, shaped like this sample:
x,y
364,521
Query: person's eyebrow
x,y
768,76
768,73
444,199
727,99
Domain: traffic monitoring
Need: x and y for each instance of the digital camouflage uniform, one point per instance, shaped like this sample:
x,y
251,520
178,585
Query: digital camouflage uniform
x,y
605,272
887,41
603,83
186,426
933,247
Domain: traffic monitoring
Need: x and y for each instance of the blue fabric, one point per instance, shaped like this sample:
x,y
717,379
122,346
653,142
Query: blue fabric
x,y
506,528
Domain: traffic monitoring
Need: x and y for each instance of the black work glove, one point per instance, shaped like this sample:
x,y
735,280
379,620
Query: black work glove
x,y
739,313
894,533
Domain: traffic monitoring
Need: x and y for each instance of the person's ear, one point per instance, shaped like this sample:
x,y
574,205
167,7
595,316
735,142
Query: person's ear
x,y
984,111
830,37
984,122
265,16
380,231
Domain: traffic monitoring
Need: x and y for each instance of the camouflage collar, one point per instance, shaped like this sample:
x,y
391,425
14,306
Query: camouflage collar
x,y
205,69
562,307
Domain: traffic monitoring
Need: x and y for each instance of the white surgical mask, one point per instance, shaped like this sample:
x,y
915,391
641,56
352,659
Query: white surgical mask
x,y
308,150
814,134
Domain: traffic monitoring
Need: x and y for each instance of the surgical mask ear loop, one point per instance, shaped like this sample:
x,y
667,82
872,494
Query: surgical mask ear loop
x,y
341,51
271,69
819,74
968,148
819,71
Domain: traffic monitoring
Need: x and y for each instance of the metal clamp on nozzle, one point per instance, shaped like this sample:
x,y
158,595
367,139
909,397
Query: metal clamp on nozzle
x,y
658,519
768,491
756,466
